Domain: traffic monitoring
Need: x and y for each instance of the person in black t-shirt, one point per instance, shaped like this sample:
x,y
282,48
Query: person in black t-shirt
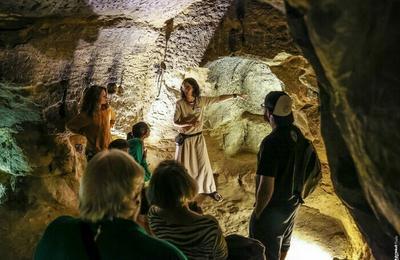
x,y
275,208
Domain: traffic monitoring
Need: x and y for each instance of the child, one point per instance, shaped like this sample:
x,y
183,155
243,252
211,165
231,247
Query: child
x,y
120,144
137,150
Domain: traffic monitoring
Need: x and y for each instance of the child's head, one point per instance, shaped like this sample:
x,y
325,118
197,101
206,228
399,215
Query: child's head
x,y
120,144
140,130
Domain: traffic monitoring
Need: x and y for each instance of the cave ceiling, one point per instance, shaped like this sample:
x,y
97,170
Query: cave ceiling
x,y
153,12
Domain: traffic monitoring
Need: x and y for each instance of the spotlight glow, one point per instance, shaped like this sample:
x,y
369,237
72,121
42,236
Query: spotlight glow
x,y
302,250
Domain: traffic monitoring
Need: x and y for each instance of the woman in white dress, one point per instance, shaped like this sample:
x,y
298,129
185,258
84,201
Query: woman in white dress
x,y
192,152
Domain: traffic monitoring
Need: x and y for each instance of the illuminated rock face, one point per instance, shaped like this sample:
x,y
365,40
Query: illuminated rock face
x,y
154,12
99,50
355,54
233,122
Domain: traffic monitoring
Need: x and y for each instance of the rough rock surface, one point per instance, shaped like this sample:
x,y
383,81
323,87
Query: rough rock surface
x,y
53,51
354,53
247,24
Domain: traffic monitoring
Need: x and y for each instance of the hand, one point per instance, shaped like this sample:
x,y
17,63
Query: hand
x,y
186,128
196,124
243,96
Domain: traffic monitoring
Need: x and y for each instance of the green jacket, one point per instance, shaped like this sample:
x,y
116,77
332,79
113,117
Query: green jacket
x,y
118,239
136,149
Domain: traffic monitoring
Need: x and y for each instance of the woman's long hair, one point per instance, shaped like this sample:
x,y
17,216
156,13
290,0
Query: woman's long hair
x,y
195,86
91,99
138,130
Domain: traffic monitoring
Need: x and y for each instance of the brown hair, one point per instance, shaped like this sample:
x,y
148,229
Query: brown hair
x,y
118,144
195,86
138,130
171,185
91,99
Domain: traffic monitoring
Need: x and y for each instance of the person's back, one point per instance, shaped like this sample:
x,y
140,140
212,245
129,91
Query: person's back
x,y
198,237
115,239
282,145
136,148
276,206
170,190
109,203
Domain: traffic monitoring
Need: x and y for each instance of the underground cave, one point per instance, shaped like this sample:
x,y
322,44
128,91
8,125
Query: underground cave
x,y
337,60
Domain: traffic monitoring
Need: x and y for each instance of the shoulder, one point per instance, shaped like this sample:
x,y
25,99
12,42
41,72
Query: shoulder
x,y
205,100
134,141
179,102
154,212
208,221
164,248
64,221
269,141
61,225
111,111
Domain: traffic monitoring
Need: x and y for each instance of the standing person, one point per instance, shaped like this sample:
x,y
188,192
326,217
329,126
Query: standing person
x,y
192,153
109,202
140,131
94,121
276,207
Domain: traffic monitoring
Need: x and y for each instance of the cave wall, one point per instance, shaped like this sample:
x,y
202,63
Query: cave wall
x,y
353,47
49,53
52,51
247,24
63,55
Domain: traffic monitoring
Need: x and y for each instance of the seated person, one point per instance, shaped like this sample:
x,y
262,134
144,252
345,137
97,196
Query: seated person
x,y
94,121
106,229
170,190
140,131
120,144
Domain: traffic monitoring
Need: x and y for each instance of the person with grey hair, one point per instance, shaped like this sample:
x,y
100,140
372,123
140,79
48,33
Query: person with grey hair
x,y
170,190
109,199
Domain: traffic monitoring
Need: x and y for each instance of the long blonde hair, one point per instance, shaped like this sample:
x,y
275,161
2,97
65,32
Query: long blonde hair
x,y
111,187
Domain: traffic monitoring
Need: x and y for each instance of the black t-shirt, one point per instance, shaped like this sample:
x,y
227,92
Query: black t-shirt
x,y
276,159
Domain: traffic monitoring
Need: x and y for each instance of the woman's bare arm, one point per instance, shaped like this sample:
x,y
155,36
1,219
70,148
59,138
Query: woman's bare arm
x,y
225,97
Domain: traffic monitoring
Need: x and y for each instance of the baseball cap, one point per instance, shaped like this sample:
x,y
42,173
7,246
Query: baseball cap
x,y
279,103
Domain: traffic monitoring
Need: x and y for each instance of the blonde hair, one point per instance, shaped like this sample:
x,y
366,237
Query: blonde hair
x,y
110,186
171,185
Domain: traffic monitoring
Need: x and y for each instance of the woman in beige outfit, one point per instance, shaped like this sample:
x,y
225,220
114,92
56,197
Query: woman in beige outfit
x,y
192,153
94,120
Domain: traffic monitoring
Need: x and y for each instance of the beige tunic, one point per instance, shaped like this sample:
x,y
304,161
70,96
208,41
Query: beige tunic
x,y
193,152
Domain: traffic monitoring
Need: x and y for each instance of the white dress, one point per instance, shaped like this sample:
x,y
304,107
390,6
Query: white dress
x,y
193,152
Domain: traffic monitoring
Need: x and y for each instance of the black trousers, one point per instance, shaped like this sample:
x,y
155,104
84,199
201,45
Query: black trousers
x,y
274,228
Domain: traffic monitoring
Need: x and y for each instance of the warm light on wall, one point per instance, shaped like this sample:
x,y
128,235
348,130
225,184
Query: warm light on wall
x,y
305,250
